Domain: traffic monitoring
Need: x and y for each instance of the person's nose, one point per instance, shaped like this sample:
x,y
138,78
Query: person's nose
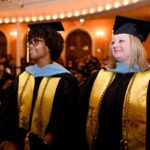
x,y
116,44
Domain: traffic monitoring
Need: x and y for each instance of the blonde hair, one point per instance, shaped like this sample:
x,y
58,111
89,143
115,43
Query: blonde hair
x,y
138,55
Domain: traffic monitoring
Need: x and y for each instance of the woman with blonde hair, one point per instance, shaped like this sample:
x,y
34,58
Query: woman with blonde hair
x,y
138,55
116,99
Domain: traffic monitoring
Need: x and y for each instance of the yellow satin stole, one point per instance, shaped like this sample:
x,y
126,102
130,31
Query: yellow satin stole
x,y
43,105
135,133
99,87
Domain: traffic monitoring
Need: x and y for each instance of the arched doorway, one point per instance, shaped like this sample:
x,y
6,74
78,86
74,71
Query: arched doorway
x,y
3,44
78,45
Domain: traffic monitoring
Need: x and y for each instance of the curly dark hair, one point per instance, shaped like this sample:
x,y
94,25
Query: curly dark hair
x,y
52,38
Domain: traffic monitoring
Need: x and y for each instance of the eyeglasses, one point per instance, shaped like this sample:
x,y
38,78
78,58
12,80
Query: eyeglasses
x,y
35,42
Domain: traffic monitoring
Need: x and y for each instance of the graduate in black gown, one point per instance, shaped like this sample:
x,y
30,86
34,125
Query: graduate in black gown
x,y
7,115
44,98
115,100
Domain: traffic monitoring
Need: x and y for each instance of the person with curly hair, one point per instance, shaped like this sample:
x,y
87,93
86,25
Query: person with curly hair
x,y
47,95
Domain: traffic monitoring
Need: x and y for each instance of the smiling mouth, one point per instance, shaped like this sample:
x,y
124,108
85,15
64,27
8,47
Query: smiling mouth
x,y
31,51
117,51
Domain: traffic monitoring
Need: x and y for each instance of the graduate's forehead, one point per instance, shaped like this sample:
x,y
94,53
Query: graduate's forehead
x,y
35,35
121,36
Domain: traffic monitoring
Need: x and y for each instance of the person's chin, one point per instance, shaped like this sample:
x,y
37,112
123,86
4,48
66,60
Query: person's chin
x,y
33,57
118,57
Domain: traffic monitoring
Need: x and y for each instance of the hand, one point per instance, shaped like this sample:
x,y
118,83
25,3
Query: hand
x,y
48,139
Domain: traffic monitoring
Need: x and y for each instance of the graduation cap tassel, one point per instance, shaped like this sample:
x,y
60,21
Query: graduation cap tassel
x,y
27,55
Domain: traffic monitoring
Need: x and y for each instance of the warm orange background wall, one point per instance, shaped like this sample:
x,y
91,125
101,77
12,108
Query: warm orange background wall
x,y
104,24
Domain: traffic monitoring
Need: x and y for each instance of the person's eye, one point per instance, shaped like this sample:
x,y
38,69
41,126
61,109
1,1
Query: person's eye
x,y
35,42
121,41
113,42
32,42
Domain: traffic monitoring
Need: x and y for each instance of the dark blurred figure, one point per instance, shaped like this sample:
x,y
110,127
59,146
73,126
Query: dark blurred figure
x,y
80,75
70,65
83,68
92,65
6,79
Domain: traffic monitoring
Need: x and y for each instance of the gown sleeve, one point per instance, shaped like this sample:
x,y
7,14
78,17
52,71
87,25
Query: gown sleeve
x,y
84,96
8,113
65,120
148,120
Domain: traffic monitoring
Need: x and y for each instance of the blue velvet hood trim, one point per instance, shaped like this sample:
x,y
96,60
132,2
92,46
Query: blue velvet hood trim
x,y
124,68
48,70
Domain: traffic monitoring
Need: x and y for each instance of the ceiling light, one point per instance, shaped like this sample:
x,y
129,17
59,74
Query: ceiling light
x,y
116,4
6,20
48,17
27,19
69,15
62,15
92,10
81,20
125,2
76,13
20,19
41,18
108,7
34,19
100,8
84,12
54,16
13,20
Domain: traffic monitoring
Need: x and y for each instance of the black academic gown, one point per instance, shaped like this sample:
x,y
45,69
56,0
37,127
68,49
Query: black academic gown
x,y
64,122
110,118
8,114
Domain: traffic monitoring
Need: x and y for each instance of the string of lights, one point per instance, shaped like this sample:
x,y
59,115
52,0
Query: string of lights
x,y
66,14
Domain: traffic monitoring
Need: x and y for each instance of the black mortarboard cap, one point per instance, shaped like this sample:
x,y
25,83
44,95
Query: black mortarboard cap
x,y
57,26
136,27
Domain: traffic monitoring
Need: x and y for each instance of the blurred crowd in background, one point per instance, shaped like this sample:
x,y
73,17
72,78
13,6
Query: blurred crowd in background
x,y
6,75
81,68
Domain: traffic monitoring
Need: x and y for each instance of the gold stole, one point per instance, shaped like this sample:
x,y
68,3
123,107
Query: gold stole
x,y
99,87
43,104
134,111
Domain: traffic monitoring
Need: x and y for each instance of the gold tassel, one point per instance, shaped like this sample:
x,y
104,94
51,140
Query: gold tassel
x,y
27,55
26,142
